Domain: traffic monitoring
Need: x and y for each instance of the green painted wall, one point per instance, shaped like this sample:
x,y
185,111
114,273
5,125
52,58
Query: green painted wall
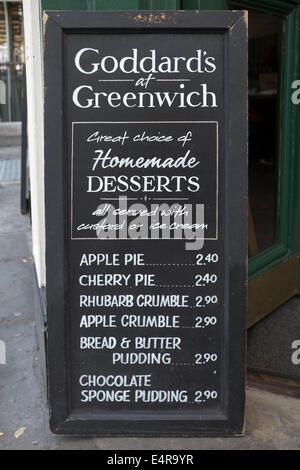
x,y
111,4
204,4
134,4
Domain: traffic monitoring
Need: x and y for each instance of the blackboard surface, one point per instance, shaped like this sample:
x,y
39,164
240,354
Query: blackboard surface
x,y
146,221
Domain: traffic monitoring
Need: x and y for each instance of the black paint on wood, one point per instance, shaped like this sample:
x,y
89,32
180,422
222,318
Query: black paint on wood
x,y
199,395
25,200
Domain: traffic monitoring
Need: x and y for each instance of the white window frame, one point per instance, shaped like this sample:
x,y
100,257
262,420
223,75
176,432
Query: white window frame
x,y
35,88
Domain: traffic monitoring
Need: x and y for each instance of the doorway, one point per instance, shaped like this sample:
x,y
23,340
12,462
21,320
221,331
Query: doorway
x,y
273,242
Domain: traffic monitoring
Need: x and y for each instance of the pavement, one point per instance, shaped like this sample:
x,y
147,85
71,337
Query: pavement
x,y
272,421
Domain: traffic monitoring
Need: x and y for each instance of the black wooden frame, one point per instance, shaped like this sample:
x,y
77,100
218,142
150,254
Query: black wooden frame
x,y
57,25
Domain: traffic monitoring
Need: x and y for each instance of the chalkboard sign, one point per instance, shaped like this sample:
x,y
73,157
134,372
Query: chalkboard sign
x,y
146,221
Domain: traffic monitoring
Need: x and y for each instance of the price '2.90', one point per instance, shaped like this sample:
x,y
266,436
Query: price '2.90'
x,y
202,322
208,299
206,395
